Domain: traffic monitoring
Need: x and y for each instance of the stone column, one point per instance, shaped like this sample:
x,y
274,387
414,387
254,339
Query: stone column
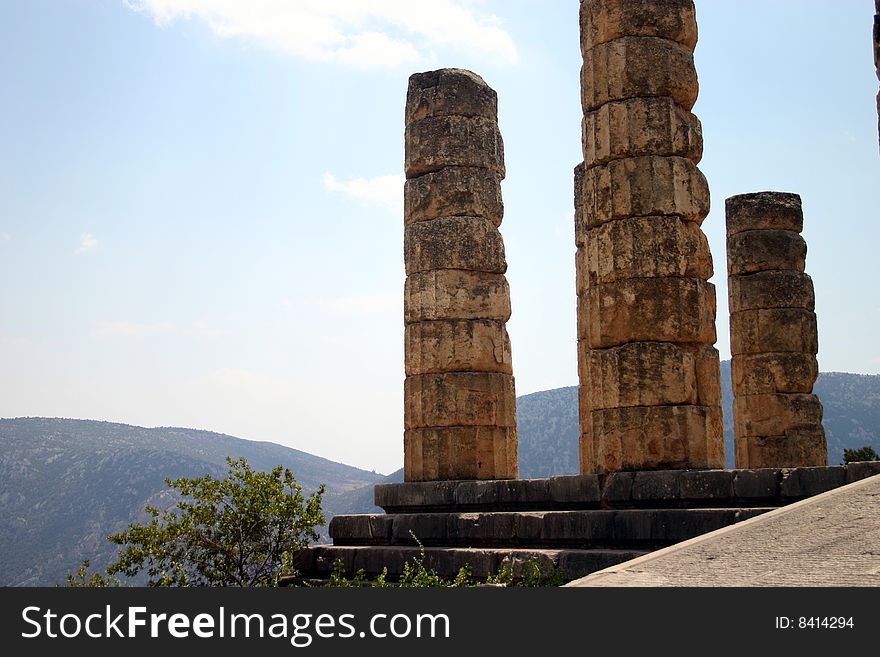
x,y
877,52
650,391
459,398
773,338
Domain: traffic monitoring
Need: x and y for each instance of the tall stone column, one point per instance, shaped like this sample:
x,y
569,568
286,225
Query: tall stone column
x,y
773,338
877,52
650,391
459,397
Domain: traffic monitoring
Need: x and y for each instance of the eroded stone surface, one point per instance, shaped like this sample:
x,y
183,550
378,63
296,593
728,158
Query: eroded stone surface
x,y
642,187
762,373
775,414
764,211
469,243
657,437
605,20
459,399
642,247
477,345
771,289
449,92
773,330
680,310
460,453
456,294
640,126
437,142
753,251
799,447
453,192
638,67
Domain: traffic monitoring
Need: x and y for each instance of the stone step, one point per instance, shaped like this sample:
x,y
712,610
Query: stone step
x,y
316,563
648,489
581,529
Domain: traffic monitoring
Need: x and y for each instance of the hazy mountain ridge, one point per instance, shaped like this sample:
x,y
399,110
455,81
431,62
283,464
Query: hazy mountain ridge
x,y
66,484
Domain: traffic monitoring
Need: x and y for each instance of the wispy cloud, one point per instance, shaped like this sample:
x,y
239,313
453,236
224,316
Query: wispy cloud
x,y
87,242
364,304
362,33
387,190
4,237
125,328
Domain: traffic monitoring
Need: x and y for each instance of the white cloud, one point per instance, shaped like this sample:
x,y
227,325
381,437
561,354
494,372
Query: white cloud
x,y
364,304
387,190
87,242
359,33
124,328
5,237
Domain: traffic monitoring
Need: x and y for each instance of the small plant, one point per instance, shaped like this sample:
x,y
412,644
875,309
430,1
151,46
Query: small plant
x,y
866,453
530,574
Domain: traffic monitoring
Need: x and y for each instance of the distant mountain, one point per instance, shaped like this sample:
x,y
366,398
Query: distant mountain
x,y
548,421
66,484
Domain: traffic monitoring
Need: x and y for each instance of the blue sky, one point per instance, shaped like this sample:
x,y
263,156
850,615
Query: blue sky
x,y
201,200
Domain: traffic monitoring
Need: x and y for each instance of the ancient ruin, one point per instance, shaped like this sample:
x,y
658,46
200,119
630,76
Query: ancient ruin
x,y
877,54
459,397
651,433
773,336
650,392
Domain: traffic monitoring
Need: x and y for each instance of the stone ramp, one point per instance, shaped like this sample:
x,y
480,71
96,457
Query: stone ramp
x,y
832,539
580,524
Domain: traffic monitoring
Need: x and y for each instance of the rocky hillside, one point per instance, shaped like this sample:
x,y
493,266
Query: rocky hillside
x,y
66,484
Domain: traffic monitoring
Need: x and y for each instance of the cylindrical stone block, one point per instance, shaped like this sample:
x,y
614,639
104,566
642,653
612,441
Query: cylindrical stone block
x,y
768,373
641,187
459,399
640,374
640,126
643,247
605,20
773,330
454,192
638,67
752,251
657,438
455,294
437,142
449,92
450,453
800,447
680,310
477,345
764,211
453,243
774,414
771,289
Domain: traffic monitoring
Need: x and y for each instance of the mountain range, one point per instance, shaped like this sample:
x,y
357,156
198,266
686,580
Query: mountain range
x,y
66,484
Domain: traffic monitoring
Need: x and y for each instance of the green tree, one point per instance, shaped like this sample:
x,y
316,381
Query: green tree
x,y
866,453
241,530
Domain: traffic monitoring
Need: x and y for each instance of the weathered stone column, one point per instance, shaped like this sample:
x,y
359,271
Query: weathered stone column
x,y
459,398
650,390
877,53
773,338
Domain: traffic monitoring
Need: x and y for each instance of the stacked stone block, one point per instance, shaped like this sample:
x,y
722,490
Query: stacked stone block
x,y
650,393
459,396
777,419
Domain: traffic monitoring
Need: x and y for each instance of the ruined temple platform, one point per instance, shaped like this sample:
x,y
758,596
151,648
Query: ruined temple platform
x,y
580,524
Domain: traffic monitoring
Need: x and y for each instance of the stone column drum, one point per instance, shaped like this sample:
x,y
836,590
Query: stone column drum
x,y
777,421
650,387
459,397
